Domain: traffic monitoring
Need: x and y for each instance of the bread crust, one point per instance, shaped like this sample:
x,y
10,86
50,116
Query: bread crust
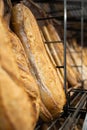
x,y
16,84
26,28
16,110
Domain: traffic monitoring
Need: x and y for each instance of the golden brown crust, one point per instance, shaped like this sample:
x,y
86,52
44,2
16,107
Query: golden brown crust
x,y
56,50
16,110
25,73
11,55
51,89
59,52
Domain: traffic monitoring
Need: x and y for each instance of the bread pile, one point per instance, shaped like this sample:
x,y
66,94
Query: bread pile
x,y
30,84
19,93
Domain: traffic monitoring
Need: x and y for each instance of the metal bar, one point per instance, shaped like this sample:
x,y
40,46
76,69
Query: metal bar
x,y
72,109
73,29
72,119
81,111
60,11
68,100
71,98
78,90
65,40
46,1
82,100
82,33
59,66
66,121
76,105
52,124
76,121
61,18
48,18
47,42
75,98
59,1
84,106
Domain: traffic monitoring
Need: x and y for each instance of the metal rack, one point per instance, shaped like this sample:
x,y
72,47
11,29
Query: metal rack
x,y
76,106
73,111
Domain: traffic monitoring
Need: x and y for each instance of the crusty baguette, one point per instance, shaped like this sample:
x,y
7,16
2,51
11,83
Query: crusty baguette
x,y
16,110
12,60
25,72
69,53
51,90
71,75
53,59
52,50
38,12
22,72
56,49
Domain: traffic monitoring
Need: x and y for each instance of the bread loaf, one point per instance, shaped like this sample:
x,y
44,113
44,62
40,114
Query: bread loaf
x,y
51,90
16,109
25,72
56,49
26,77
22,109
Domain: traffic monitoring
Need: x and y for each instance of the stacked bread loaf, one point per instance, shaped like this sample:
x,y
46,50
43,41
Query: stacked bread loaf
x,y
29,83
19,93
31,79
44,70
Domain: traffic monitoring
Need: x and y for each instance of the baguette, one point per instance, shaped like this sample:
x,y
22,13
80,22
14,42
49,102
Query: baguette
x,y
9,61
24,72
27,77
26,28
59,52
56,49
16,110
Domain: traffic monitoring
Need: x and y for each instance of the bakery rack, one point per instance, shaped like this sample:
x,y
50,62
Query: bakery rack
x,y
76,106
